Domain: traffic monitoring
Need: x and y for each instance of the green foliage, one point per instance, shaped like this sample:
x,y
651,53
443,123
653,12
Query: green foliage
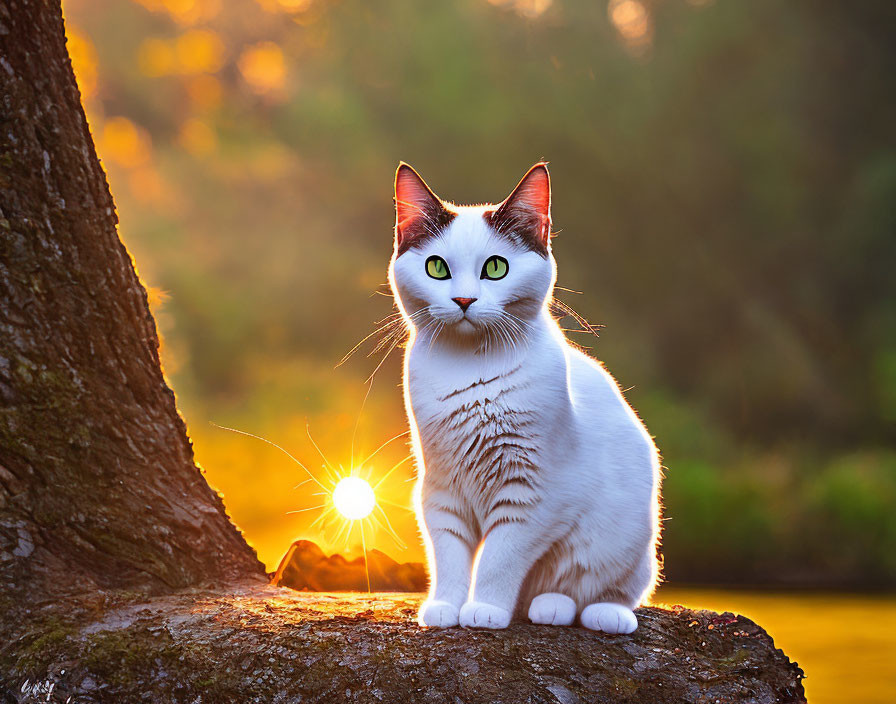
x,y
851,514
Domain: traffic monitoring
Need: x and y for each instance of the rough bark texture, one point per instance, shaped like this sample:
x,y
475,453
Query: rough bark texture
x,y
111,540
97,482
265,644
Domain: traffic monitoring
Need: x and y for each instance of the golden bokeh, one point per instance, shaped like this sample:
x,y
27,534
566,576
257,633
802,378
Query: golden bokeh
x,y
155,57
263,66
84,61
199,51
526,8
205,92
196,51
124,142
184,12
197,137
632,20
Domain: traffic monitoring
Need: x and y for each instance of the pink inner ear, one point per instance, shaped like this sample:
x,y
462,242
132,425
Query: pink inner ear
x,y
532,197
534,192
412,197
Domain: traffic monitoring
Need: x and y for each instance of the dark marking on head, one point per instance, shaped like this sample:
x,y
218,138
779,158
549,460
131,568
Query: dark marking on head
x,y
419,213
524,217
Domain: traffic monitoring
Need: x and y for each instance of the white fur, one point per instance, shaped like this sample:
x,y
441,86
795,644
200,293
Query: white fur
x,y
553,610
538,486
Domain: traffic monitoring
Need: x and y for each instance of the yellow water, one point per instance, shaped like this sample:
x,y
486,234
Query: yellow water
x,y
846,644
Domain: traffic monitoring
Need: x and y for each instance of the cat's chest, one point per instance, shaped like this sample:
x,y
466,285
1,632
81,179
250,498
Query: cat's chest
x,y
478,423
485,411
452,399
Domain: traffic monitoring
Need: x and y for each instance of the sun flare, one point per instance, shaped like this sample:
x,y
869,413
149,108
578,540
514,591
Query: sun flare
x,y
350,496
354,498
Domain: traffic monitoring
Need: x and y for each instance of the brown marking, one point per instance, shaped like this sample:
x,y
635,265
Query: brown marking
x,y
524,217
419,213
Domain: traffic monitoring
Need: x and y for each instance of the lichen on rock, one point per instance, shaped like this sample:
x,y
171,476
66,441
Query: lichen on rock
x,y
252,643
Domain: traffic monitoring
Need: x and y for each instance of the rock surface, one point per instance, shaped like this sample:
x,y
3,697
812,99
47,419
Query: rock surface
x,y
256,643
306,567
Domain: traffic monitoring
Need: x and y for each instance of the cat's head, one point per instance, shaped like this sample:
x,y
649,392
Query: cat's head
x,y
473,269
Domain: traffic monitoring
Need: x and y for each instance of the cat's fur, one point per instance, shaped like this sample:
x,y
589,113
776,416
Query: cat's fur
x,y
538,484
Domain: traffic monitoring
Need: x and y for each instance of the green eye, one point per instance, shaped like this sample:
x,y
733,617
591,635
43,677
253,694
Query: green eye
x,y
494,268
437,268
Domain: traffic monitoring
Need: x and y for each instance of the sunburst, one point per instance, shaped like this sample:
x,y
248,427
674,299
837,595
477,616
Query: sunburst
x,y
350,495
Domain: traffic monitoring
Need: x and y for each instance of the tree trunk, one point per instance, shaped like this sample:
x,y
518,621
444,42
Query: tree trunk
x,y
121,577
98,487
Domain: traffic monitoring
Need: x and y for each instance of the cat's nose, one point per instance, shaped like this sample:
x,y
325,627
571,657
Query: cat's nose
x,y
464,303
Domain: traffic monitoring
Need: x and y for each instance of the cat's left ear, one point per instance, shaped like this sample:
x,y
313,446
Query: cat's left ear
x,y
526,212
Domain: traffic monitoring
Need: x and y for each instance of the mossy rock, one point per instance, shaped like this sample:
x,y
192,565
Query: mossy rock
x,y
255,643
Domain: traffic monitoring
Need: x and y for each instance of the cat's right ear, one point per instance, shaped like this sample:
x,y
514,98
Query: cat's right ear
x,y
418,211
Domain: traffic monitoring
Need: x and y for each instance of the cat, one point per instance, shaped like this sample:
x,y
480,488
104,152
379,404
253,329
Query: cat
x,y
538,484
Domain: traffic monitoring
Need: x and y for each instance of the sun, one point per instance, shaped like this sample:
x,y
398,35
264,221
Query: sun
x,y
347,495
354,498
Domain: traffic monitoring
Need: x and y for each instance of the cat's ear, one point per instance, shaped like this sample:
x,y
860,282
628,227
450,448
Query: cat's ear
x,y
526,213
418,211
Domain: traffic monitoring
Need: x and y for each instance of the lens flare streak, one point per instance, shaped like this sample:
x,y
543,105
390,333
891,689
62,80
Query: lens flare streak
x,y
350,498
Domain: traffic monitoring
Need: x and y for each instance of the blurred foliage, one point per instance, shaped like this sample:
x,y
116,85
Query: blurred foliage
x,y
724,186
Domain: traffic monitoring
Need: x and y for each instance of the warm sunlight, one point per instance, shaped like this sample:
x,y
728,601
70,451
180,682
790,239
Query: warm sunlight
x,y
349,498
354,498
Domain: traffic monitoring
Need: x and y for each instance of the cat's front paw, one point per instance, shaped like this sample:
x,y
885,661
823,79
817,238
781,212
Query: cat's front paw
x,y
478,614
609,618
438,614
552,610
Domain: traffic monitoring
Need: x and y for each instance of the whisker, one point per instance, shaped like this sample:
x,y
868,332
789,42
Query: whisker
x,y
302,510
373,454
501,335
435,335
519,326
394,335
396,505
322,456
563,309
390,530
390,321
382,361
273,444
394,467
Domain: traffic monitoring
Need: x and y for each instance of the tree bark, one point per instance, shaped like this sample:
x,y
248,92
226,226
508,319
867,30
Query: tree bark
x,y
121,577
98,487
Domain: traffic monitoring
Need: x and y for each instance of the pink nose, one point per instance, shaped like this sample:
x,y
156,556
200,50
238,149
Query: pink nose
x,y
464,303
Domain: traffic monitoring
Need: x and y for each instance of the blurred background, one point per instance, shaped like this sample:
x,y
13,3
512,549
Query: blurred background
x,y
725,188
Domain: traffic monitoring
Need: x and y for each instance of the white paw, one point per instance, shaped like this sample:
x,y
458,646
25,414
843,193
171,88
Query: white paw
x,y
477,614
553,610
438,614
609,618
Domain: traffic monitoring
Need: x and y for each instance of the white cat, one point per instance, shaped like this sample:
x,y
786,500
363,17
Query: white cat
x,y
538,483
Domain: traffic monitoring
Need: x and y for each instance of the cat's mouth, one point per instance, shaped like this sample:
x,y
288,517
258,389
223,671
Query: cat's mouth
x,y
462,323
